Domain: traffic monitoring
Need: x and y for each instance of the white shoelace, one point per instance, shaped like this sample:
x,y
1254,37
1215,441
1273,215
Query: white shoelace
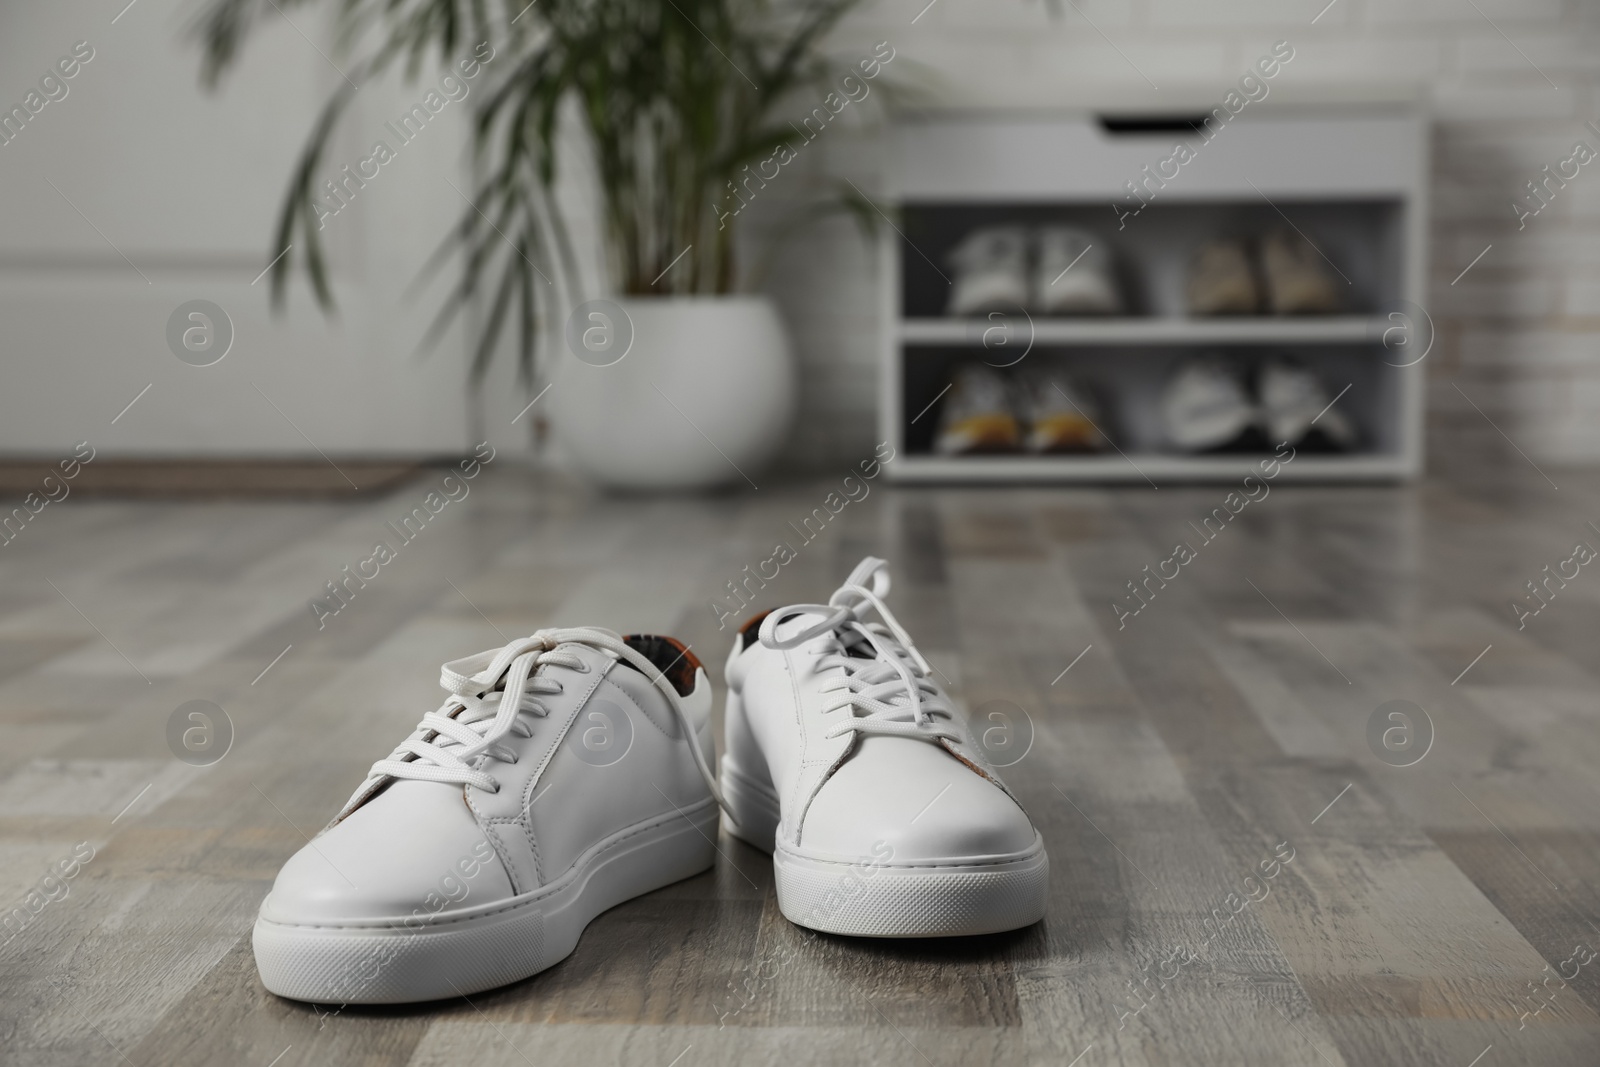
x,y
892,694
500,698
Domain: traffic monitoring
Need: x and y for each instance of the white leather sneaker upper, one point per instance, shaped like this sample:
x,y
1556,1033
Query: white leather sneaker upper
x,y
991,268
544,748
861,744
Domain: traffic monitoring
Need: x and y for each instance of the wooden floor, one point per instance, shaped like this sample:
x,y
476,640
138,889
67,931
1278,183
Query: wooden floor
x,y
1422,918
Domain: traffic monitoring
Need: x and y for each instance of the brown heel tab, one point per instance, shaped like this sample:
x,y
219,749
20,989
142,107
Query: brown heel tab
x,y
669,656
751,629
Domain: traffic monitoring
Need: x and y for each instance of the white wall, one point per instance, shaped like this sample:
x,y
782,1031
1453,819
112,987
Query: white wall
x,y
185,186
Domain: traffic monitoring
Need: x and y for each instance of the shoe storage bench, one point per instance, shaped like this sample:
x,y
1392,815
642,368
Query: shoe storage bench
x,y
1349,183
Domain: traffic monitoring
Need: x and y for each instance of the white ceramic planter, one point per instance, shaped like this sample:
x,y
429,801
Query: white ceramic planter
x,y
701,395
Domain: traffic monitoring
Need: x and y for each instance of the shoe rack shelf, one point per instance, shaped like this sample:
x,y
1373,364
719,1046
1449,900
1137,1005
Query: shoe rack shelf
x,y
1152,330
1352,181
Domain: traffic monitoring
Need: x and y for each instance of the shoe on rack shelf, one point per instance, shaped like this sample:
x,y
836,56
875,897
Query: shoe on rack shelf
x,y
1205,407
1297,279
1073,275
991,271
1222,280
1295,408
1061,414
978,415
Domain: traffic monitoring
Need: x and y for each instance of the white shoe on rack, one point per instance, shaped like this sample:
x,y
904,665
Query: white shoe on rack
x,y
991,271
1295,404
1073,276
1205,405
846,760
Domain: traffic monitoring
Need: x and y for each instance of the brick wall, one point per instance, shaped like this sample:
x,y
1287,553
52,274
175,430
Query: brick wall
x,y
1510,84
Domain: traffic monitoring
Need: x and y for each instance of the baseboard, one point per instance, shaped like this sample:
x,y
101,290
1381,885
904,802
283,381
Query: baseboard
x,y
205,478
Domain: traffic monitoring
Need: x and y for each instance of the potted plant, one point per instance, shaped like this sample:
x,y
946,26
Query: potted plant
x,y
677,380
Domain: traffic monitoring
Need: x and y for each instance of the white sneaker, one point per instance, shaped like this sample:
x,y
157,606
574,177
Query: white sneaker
x,y
556,781
991,271
846,761
1295,405
1074,274
1205,405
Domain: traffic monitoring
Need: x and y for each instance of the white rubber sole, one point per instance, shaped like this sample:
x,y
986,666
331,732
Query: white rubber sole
x,y
394,961
876,897
880,898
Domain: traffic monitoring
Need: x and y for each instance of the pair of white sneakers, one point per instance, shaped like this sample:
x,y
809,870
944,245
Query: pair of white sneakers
x,y
1207,405
1058,270
571,770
